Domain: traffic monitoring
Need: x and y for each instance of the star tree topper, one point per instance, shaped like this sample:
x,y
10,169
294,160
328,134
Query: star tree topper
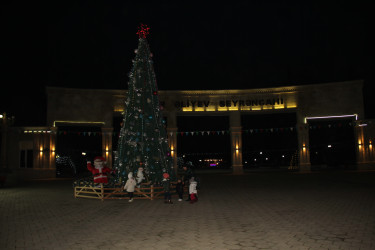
x,y
143,31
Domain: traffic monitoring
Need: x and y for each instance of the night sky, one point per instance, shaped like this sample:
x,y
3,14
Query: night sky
x,y
237,45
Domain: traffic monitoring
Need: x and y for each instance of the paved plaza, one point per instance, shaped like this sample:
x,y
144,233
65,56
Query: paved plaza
x,y
327,210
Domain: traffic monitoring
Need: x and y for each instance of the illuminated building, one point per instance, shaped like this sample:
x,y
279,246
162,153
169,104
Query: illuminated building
x,y
98,107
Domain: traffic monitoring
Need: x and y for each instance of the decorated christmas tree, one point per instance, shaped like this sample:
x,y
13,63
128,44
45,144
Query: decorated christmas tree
x,y
143,144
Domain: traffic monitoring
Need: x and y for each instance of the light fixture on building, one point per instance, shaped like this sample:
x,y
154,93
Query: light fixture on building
x,y
359,144
331,116
106,151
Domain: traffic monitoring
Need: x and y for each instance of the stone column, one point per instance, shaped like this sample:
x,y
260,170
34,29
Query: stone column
x,y
172,143
236,142
303,147
107,145
37,151
172,137
42,144
52,143
360,144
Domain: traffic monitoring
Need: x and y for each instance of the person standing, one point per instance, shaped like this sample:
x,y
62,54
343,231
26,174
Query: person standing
x,y
193,193
167,188
187,174
180,189
130,186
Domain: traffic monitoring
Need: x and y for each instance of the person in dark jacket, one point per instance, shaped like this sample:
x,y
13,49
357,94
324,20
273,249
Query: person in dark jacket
x,y
187,174
180,189
166,187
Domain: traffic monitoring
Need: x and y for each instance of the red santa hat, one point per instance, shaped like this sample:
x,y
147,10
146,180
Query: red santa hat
x,y
99,158
165,175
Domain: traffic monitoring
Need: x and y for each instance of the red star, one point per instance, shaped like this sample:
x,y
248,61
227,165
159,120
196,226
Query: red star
x,y
143,31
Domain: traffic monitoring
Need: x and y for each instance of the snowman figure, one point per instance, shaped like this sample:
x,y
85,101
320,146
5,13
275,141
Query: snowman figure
x,y
140,176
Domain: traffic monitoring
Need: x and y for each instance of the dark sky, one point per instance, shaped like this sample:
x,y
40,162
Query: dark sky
x,y
196,45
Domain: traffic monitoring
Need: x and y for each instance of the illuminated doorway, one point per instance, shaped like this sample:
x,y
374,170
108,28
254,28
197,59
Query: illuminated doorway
x,y
332,144
269,140
75,145
204,141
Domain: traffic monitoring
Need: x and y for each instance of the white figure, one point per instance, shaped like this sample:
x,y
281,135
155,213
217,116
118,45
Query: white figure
x,y
140,176
130,186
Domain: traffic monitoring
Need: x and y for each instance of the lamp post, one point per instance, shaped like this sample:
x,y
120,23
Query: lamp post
x,y
4,129
4,170
4,124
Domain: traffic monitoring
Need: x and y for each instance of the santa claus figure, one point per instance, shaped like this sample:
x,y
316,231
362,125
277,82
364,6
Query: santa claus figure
x,y
99,170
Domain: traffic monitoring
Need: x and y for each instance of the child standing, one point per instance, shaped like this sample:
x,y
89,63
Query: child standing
x,y
180,189
187,174
130,186
193,191
166,188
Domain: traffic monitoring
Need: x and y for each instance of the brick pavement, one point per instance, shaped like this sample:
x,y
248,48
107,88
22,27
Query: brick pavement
x,y
252,211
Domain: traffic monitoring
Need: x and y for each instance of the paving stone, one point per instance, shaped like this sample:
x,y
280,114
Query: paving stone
x,y
310,211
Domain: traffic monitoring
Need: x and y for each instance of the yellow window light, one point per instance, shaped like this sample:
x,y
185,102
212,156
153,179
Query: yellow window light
x,y
267,107
233,108
290,106
279,106
187,109
222,109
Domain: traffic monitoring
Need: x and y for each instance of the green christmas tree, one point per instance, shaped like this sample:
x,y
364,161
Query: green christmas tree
x,y
143,139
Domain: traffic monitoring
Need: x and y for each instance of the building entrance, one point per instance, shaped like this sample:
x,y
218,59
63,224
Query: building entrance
x,y
332,143
204,141
269,140
75,145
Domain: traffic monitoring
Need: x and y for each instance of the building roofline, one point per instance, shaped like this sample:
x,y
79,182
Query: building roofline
x,y
222,91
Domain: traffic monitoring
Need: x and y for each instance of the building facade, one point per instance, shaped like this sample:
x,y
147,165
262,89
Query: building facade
x,y
98,107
